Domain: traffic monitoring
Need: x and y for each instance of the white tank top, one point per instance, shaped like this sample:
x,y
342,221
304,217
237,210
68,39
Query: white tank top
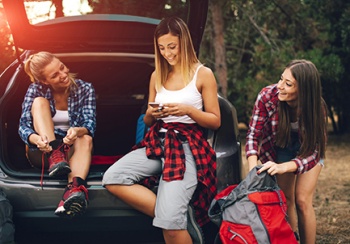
x,y
61,120
187,95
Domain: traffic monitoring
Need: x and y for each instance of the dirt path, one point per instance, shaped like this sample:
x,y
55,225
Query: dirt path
x,y
332,198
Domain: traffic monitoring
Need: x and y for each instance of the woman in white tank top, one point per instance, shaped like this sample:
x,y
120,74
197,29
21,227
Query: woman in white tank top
x,y
187,92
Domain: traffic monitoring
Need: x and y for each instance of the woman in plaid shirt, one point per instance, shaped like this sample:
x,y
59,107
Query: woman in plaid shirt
x,y
287,133
57,124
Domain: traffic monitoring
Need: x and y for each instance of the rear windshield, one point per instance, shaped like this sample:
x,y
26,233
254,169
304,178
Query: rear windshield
x,y
40,11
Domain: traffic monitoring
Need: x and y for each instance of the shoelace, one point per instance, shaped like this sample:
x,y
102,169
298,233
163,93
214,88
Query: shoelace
x,y
79,188
55,153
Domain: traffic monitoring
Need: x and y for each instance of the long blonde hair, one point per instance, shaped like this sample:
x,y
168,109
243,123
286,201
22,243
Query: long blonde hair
x,y
177,27
36,63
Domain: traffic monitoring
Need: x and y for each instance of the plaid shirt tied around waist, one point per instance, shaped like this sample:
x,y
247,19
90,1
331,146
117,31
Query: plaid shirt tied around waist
x,y
174,161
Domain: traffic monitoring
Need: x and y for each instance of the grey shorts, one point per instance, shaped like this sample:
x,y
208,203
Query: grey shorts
x,y
172,197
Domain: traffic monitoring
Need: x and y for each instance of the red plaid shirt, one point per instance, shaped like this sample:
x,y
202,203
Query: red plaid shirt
x,y
263,128
174,161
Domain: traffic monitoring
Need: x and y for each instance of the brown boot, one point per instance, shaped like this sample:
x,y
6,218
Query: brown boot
x,y
58,163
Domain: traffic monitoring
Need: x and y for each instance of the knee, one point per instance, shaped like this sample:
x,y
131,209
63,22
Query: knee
x,y
109,187
84,141
40,102
303,203
171,234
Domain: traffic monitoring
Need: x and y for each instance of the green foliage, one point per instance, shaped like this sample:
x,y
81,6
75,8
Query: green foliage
x,y
263,36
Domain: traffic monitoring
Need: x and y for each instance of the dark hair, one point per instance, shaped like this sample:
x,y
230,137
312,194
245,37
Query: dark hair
x,y
311,110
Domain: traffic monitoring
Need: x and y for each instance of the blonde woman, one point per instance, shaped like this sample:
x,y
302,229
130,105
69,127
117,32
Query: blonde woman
x,y
175,148
57,124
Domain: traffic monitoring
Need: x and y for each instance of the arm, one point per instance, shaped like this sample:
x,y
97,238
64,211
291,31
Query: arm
x,y
255,132
273,168
86,125
149,117
26,128
209,118
89,112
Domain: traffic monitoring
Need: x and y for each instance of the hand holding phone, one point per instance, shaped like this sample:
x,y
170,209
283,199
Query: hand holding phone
x,y
156,105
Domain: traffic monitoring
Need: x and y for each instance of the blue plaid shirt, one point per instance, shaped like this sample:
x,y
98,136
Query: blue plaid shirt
x,y
81,108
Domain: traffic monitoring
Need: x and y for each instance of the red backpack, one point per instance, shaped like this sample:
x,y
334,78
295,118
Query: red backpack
x,y
254,211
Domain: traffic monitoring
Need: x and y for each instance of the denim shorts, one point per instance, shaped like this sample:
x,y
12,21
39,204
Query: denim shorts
x,y
291,151
288,153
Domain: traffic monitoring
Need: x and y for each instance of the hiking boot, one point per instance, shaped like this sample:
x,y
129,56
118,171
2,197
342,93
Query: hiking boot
x,y
75,199
58,163
193,227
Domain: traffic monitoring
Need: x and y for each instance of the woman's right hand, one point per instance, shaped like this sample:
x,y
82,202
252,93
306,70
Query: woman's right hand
x,y
43,144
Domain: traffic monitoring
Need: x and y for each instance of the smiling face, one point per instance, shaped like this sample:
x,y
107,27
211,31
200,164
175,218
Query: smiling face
x,y
169,48
288,88
56,75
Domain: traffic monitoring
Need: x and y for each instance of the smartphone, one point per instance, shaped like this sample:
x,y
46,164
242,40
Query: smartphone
x,y
156,105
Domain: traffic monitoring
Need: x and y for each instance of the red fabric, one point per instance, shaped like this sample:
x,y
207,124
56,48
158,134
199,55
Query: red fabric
x,y
231,233
174,165
225,192
272,208
104,160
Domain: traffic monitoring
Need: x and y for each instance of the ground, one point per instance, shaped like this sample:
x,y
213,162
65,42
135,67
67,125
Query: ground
x,y
332,197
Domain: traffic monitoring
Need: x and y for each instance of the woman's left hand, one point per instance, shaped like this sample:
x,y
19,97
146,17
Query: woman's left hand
x,y
71,136
176,109
273,168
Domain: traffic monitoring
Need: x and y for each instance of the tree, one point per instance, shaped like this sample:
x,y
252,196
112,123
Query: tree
x,y
216,7
261,37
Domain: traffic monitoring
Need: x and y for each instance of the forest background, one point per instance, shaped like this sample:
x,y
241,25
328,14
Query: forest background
x,y
247,44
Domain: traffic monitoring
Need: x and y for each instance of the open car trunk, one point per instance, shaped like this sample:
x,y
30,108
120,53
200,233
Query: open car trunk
x,y
121,86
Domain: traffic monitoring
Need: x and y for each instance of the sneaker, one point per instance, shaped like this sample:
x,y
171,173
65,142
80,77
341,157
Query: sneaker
x,y
193,227
58,163
74,201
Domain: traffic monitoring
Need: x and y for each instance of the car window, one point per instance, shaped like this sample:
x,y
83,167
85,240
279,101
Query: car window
x,y
40,11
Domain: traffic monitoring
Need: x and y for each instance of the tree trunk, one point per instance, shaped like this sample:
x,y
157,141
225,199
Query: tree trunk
x,y
219,45
59,8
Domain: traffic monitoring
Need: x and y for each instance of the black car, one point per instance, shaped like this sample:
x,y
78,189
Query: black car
x,y
110,44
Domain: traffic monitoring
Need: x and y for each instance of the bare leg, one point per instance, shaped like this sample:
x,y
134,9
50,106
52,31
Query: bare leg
x,y
305,188
137,196
42,119
81,158
177,237
287,184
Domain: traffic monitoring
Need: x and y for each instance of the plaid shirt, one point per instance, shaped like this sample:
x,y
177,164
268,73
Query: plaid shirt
x,y
174,163
263,128
81,108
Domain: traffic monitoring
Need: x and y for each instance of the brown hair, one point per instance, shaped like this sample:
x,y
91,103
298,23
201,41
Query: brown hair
x,y
311,110
177,27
